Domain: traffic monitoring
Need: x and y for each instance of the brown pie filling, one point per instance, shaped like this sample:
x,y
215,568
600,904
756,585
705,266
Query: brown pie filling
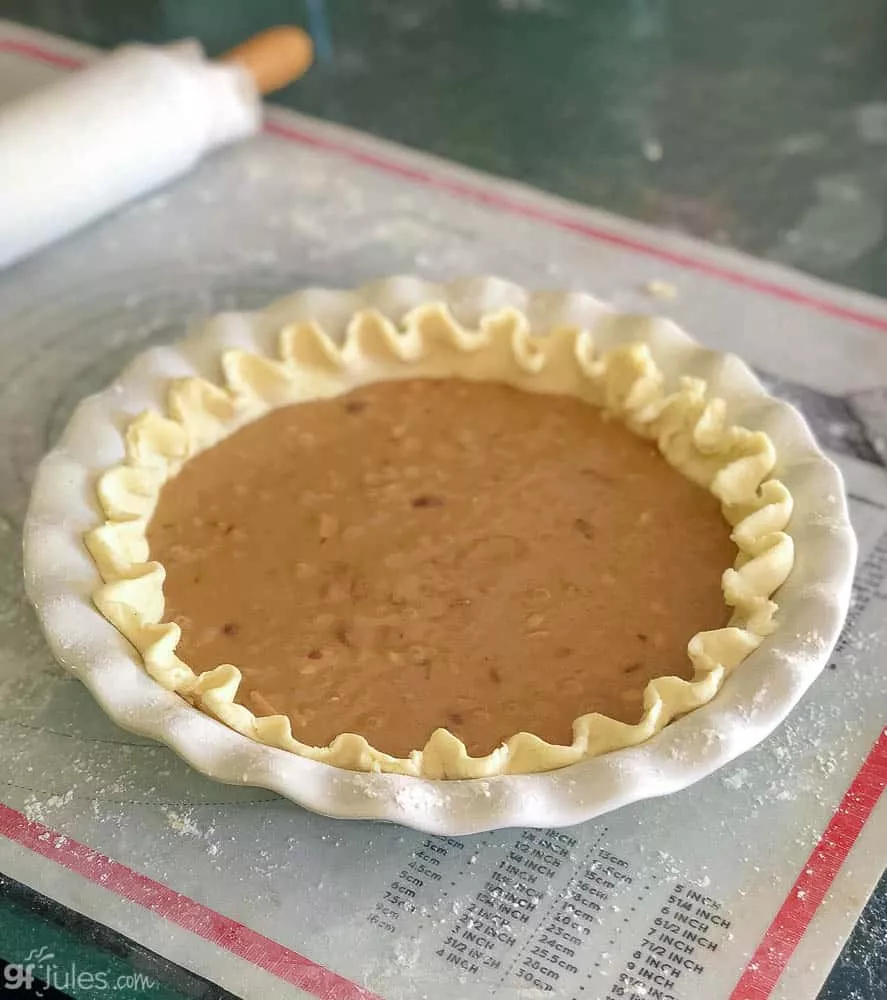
x,y
439,553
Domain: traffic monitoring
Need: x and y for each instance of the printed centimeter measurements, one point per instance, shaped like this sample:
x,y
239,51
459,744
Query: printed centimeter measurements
x,y
517,925
487,930
406,893
868,586
673,947
559,950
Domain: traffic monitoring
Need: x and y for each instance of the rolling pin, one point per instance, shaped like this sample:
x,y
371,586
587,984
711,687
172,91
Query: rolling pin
x,y
127,124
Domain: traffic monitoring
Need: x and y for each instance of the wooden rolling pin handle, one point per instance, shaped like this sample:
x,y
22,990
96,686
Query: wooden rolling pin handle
x,y
274,58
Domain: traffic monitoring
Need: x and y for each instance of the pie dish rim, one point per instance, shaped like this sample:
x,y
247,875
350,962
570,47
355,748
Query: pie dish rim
x,y
623,775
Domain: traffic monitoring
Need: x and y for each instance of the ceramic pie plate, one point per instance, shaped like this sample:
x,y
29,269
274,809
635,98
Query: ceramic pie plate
x,y
61,577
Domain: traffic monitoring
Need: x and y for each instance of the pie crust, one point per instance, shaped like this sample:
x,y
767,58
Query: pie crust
x,y
691,430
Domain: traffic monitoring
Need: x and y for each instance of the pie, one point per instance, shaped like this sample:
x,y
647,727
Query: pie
x,y
442,551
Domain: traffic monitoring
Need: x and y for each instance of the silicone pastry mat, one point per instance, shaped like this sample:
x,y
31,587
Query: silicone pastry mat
x,y
743,886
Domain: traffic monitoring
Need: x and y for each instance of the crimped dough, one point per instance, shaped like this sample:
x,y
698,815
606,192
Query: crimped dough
x,y
690,430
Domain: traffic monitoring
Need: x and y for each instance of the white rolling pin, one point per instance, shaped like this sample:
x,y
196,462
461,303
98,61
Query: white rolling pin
x,y
126,125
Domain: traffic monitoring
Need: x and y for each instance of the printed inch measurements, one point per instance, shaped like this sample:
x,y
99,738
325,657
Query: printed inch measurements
x,y
670,948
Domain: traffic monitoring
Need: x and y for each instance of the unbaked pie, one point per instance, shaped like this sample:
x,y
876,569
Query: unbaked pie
x,y
442,551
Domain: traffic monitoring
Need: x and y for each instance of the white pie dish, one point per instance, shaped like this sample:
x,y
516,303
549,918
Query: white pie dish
x,y
61,577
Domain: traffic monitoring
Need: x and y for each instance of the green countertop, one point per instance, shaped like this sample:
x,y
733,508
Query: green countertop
x,y
758,125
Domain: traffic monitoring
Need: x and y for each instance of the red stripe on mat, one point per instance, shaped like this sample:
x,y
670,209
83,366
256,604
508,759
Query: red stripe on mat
x,y
794,916
221,931
514,206
30,51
